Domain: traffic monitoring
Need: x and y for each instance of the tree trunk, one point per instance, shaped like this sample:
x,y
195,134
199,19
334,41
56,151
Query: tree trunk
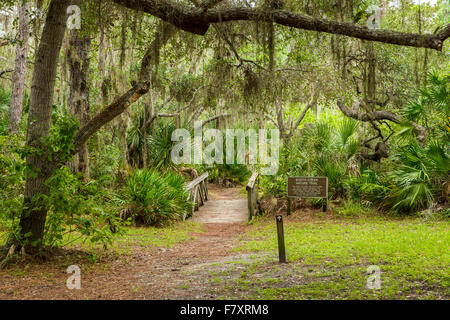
x,y
32,220
79,92
20,70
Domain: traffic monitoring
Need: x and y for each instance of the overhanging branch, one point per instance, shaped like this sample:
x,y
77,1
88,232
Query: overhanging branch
x,y
378,116
197,21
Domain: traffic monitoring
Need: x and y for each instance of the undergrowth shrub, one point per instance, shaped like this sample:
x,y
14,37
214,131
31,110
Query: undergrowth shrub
x,y
12,181
85,210
419,177
154,198
368,187
5,100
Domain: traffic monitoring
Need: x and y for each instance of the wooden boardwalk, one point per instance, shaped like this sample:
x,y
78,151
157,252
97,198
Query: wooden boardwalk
x,y
225,205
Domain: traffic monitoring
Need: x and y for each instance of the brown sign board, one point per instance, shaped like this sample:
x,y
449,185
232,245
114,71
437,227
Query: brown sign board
x,y
307,187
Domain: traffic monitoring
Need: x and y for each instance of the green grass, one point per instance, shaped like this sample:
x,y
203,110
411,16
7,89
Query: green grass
x,y
329,259
150,237
159,237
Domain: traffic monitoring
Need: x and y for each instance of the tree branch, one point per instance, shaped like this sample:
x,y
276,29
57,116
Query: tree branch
x,y
2,72
197,21
312,103
380,115
215,118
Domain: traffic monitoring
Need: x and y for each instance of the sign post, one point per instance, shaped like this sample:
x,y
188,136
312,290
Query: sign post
x,y
308,187
280,234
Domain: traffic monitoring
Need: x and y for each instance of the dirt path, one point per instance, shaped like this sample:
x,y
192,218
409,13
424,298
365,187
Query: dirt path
x,y
180,272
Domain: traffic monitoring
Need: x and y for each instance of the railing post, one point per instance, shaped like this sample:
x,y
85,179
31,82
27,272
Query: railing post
x,y
198,191
250,203
252,195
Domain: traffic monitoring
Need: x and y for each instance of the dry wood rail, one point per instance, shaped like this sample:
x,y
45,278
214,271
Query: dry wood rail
x,y
198,192
252,195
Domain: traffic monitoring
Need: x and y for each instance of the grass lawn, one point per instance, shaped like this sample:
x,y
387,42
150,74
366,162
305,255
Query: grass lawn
x,y
150,237
328,259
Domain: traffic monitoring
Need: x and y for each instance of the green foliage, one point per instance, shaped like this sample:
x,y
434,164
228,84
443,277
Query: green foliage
x,y
61,136
367,188
321,136
135,138
84,209
421,171
335,171
5,100
160,145
238,173
73,207
104,160
12,181
419,177
155,199
432,107
325,148
346,137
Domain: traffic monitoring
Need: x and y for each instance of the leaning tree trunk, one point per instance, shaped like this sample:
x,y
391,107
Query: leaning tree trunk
x,y
20,70
32,220
79,92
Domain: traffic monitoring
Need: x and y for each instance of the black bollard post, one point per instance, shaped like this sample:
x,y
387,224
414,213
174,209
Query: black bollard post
x,y
280,233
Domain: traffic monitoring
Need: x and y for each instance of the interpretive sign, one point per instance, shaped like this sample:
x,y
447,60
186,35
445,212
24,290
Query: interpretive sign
x,y
307,187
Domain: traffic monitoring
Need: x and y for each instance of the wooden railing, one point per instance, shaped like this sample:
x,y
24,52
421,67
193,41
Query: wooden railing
x,y
252,195
198,192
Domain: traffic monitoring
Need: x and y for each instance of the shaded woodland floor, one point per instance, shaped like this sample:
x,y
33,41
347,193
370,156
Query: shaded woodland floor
x,y
145,273
230,259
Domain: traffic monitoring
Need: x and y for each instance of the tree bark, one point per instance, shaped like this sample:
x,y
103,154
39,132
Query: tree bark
x,y
79,92
20,70
197,21
32,220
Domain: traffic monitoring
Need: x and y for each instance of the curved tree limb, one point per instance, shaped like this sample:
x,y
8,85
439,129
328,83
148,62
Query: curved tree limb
x,y
312,103
197,21
380,115
215,118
